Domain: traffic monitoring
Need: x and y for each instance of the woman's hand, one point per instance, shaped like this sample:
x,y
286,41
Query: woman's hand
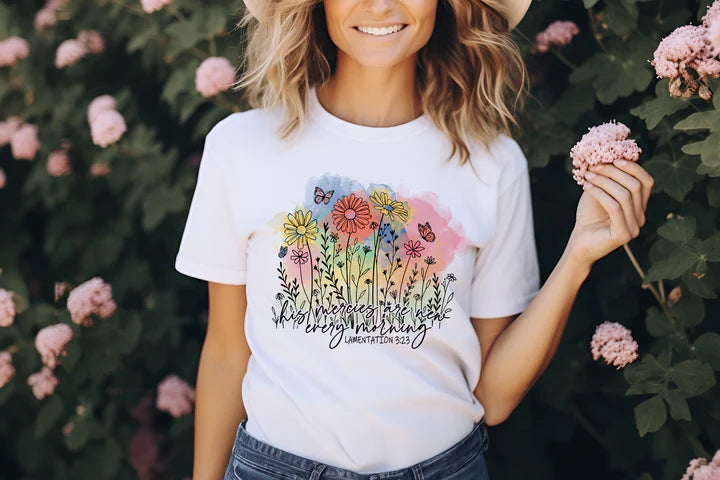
x,y
611,210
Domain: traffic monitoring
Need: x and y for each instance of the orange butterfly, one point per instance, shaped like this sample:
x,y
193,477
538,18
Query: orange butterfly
x,y
426,232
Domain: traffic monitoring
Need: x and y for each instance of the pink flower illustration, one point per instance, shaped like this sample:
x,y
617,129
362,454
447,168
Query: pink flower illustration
x,y
413,248
299,256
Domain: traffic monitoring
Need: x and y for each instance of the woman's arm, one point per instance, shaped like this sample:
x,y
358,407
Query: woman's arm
x,y
522,351
224,358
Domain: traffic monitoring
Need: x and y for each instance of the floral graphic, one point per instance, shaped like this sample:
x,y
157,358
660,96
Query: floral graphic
x,y
366,259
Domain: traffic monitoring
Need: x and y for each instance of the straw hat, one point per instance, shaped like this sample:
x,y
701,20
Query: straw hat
x,y
515,10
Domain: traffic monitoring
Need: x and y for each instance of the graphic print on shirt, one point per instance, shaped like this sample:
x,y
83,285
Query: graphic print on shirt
x,y
367,265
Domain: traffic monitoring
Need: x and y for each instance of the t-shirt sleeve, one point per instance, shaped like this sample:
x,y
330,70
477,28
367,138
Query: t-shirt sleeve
x,y
212,248
506,273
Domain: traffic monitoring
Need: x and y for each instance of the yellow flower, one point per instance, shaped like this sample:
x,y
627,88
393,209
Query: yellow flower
x,y
388,206
299,228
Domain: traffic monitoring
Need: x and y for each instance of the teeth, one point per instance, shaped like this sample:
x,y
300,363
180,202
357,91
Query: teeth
x,y
380,31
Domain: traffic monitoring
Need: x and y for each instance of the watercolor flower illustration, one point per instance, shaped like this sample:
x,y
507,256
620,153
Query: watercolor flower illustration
x,y
351,213
300,228
388,206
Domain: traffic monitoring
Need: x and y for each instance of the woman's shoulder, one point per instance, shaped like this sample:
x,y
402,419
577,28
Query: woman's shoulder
x,y
507,156
244,125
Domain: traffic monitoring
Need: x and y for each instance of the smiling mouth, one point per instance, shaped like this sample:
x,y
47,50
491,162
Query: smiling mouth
x,y
379,32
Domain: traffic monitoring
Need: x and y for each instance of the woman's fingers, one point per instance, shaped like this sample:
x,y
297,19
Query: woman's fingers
x,y
613,208
634,169
630,183
621,196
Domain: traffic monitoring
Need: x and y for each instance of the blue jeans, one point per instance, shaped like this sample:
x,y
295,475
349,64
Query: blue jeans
x,y
253,459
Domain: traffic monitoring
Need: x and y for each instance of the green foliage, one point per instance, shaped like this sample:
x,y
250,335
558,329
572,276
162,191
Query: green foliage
x,y
645,422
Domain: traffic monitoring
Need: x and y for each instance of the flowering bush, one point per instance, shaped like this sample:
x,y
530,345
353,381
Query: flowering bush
x,y
104,106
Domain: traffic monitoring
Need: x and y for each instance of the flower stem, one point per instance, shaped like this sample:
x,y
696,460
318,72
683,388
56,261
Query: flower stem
x,y
562,58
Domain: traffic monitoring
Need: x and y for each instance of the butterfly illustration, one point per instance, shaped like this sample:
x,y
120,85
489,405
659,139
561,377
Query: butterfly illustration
x,y
322,196
426,232
283,251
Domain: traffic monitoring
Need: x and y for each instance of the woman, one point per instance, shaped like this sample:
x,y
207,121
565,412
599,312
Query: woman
x,y
371,261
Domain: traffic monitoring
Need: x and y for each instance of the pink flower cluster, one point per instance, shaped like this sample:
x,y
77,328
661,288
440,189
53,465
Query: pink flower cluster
x,y
175,396
50,342
13,49
151,6
46,16
700,469
214,75
7,308
614,343
21,136
58,162
691,47
99,169
602,144
73,49
7,371
93,297
43,382
559,32
107,125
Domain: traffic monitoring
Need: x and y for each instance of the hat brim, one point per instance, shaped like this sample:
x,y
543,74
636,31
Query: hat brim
x,y
515,10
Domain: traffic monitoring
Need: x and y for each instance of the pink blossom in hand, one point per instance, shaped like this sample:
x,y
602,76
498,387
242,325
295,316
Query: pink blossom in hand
x,y
50,342
214,75
559,33
99,169
43,382
151,6
3,179
614,343
603,144
7,371
175,396
58,163
711,14
92,40
143,451
107,128
99,105
13,49
24,143
700,469
8,129
69,52
7,308
93,297
713,35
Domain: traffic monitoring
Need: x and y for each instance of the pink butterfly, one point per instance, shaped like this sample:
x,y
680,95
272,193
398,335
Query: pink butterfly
x,y
321,196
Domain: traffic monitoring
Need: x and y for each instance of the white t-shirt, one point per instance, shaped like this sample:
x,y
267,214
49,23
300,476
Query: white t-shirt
x,y
345,370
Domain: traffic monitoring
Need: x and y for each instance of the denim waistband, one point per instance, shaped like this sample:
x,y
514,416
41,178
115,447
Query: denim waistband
x,y
273,459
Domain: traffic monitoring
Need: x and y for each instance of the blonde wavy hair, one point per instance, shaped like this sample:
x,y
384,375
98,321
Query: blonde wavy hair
x,y
470,75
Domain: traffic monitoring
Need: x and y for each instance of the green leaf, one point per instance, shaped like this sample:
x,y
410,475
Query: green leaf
x,y
678,229
713,193
650,415
620,15
654,110
692,377
589,3
48,415
689,310
79,434
707,348
706,120
648,368
676,178
679,409
658,324
159,203
708,149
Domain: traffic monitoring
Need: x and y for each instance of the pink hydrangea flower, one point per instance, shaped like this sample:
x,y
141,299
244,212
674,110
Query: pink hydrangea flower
x,y
99,105
8,129
13,49
3,179
559,32
602,144
107,128
93,297
60,289
69,52
711,14
92,40
175,396
45,17
58,163
713,35
7,371
614,343
50,342
214,75
24,143
99,169
7,308
43,382
143,451
700,469
151,6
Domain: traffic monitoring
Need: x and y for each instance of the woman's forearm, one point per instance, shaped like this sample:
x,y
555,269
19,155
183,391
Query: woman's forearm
x,y
526,346
218,411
